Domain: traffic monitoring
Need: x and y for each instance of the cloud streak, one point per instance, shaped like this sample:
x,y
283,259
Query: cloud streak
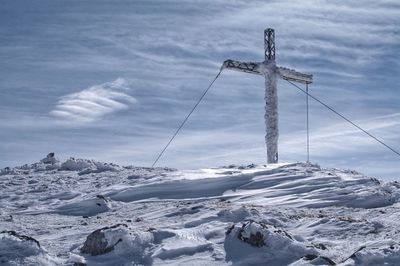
x,y
171,50
94,103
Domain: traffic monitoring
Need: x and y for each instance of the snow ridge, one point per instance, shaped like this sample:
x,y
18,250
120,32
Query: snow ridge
x,y
297,214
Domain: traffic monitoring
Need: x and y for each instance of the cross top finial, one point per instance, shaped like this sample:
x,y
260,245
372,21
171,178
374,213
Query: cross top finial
x,y
269,44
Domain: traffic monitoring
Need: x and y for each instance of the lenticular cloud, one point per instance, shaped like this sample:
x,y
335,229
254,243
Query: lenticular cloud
x,y
95,102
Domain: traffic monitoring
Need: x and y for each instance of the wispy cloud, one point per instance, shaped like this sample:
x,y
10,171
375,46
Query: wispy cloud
x,y
342,138
94,103
349,47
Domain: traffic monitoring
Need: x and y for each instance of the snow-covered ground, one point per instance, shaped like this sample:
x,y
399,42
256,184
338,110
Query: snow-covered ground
x,y
85,212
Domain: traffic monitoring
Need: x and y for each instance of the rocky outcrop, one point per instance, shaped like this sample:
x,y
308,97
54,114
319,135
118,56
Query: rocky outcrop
x,y
19,249
258,234
50,159
97,242
258,243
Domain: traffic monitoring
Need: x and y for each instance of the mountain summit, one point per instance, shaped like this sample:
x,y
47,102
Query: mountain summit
x,y
82,211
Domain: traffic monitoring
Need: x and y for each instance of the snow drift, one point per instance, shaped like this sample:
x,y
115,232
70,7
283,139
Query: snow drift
x,y
296,214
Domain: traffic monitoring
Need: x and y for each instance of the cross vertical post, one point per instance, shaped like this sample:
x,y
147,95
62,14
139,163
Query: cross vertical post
x,y
271,98
308,128
271,72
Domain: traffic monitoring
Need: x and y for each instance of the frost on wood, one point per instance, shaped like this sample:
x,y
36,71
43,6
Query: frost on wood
x,y
271,113
269,69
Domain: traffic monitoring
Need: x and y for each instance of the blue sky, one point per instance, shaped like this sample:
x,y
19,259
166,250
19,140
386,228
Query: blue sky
x,y
111,81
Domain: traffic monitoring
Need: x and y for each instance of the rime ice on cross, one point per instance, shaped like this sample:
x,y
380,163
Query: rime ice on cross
x,y
269,69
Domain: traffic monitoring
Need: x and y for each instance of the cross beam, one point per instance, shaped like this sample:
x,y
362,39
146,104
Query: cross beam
x,y
270,71
254,68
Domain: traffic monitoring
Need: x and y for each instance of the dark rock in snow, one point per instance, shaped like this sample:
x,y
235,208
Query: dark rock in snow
x,y
257,233
79,264
320,246
18,249
258,243
319,260
96,243
106,199
310,257
50,159
254,238
21,237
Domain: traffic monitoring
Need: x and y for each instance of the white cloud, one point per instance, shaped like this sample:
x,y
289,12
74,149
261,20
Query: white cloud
x,y
349,47
341,138
94,103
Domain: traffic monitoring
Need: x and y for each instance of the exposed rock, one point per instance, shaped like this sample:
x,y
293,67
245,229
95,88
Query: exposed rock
x,y
258,243
251,233
79,264
97,243
21,237
250,166
257,233
319,260
320,246
18,249
310,257
85,166
120,244
5,171
50,159
106,199
256,239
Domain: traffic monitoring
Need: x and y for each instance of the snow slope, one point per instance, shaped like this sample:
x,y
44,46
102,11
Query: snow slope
x,y
297,214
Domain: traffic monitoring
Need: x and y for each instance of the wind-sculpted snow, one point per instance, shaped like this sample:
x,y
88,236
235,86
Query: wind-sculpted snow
x,y
16,249
298,214
294,185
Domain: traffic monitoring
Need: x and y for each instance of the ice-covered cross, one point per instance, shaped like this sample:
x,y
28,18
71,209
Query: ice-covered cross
x,y
269,69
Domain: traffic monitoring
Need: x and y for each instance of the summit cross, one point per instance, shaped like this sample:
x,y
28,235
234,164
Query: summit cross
x,y
270,71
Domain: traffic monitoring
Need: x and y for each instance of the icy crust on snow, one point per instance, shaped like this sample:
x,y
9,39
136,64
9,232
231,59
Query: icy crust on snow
x,y
18,249
273,244
296,214
83,166
87,166
86,207
298,185
118,245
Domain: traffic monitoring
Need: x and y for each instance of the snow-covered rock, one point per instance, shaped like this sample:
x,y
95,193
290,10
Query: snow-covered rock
x,y
87,207
50,159
119,243
18,249
50,162
104,240
256,243
85,166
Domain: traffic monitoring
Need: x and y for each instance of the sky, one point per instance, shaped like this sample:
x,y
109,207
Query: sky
x,y
112,80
